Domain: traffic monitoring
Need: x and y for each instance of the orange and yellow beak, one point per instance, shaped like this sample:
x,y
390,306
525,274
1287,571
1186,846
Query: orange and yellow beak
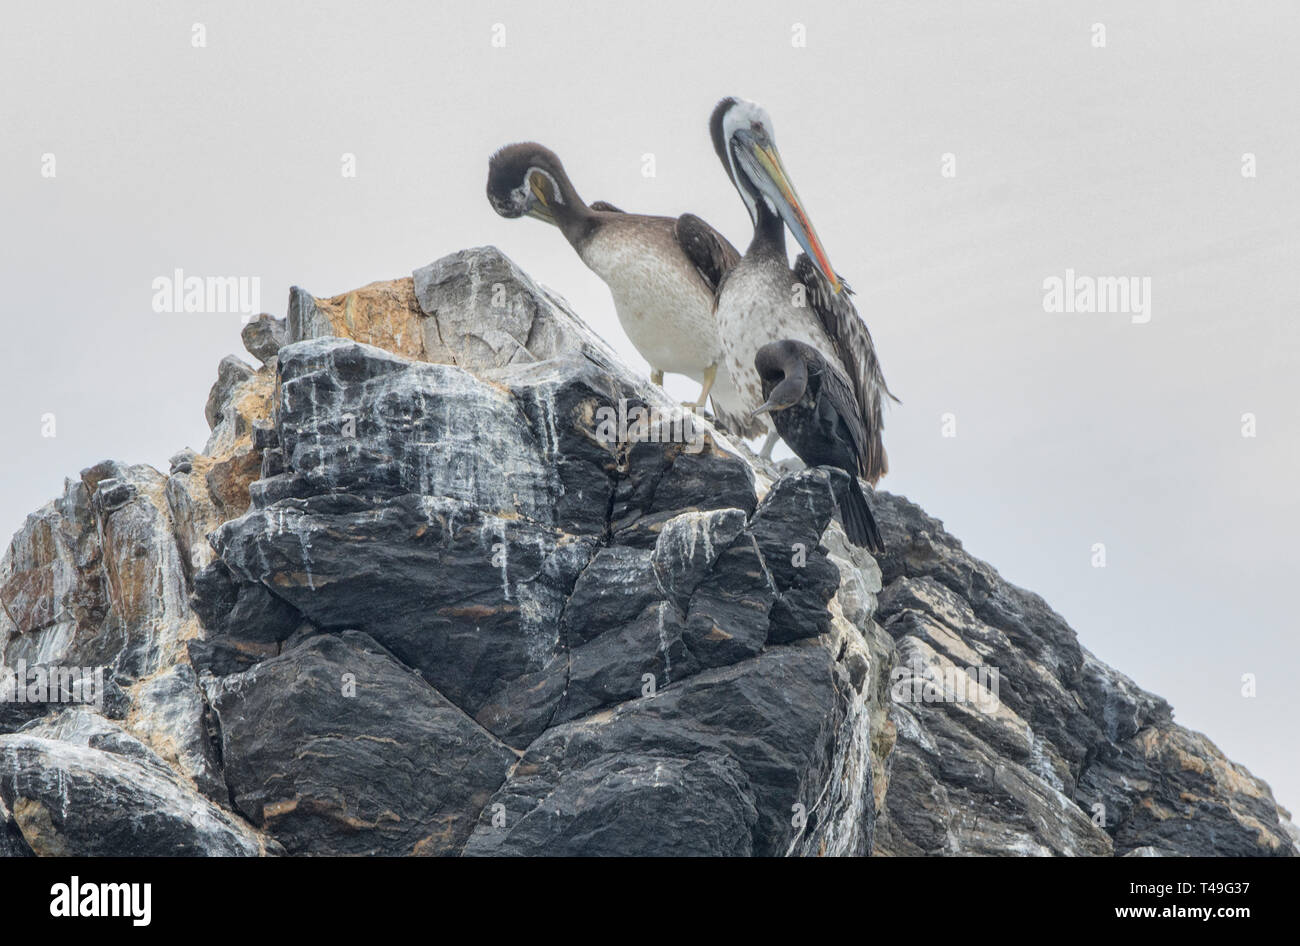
x,y
775,183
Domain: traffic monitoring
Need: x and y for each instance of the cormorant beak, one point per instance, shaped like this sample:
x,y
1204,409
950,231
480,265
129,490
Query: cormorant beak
x,y
768,405
762,162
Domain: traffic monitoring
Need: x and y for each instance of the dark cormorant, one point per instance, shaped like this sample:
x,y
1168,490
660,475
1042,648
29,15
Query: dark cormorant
x,y
813,409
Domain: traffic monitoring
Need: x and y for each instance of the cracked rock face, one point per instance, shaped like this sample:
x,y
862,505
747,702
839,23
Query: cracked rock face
x,y
335,747
1072,758
85,787
483,535
411,598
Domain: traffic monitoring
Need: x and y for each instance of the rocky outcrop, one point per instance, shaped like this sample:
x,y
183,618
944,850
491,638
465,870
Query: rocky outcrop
x,y
1071,758
79,784
422,593
336,747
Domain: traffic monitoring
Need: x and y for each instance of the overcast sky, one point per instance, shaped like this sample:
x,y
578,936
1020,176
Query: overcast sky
x,y
1072,429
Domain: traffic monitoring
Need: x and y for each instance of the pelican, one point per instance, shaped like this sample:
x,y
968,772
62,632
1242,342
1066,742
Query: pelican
x,y
762,300
662,272
813,409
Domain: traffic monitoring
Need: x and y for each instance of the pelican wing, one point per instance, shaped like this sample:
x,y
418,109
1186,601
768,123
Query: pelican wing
x,y
606,206
706,248
857,354
713,257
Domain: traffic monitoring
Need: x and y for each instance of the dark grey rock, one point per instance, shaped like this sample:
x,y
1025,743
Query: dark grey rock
x,y
336,748
112,494
182,461
92,688
265,435
619,664
1075,759
702,805
688,547
664,481
738,748
69,799
264,336
469,599
222,656
615,587
230,373
485,563
245,611
80,727
305,320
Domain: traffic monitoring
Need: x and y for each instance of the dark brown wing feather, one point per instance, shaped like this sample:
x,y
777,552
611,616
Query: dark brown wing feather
x,y
857,356
706,248
606,206
836,389
713,257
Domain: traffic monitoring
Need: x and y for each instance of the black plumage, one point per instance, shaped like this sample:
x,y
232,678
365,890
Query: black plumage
x,y
814,409
853,344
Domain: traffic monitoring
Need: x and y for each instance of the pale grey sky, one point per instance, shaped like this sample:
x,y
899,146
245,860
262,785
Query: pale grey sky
x,y
1072,429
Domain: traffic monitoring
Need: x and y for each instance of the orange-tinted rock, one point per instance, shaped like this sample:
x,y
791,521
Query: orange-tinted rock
x,y
228,481
383,314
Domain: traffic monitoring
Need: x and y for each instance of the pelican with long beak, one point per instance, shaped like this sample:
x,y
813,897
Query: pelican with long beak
x,y
761,299
663,272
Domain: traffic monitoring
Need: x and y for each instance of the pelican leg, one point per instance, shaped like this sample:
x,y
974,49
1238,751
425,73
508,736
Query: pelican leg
x,y
656,377
768,444
710,375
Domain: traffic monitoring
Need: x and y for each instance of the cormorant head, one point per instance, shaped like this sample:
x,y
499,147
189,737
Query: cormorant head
x,y
783,371
527,179
743,138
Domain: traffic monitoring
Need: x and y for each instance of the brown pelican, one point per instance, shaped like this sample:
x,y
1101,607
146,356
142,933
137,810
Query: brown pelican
x,y
662,272
761,300
814,410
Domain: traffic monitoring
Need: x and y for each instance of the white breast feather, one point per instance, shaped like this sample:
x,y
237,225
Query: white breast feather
x,y
662,305
757,307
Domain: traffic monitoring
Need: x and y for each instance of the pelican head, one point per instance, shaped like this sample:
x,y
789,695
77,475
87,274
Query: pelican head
x,y
742,136
783,371
527,179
